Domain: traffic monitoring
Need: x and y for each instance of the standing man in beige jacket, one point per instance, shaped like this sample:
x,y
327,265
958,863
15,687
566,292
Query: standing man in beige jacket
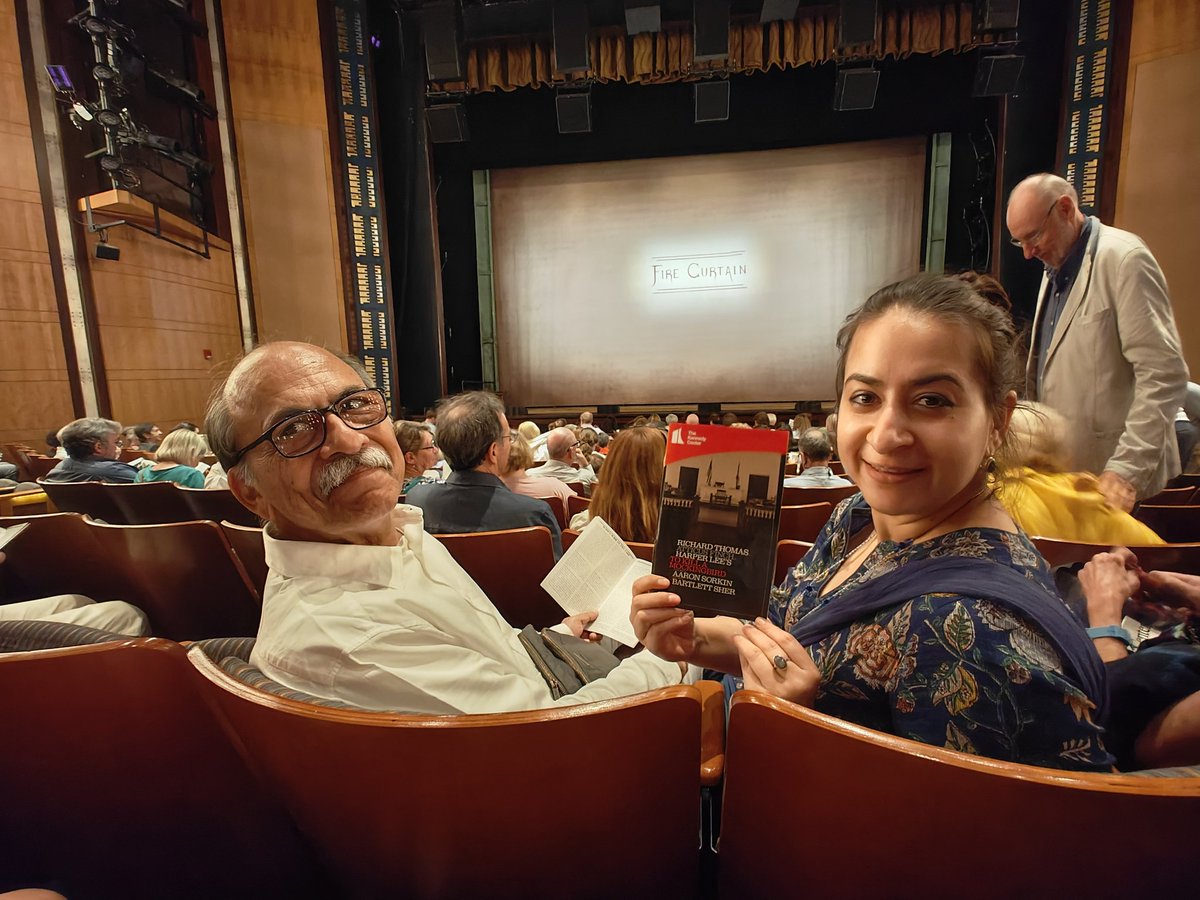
x,y
1104,349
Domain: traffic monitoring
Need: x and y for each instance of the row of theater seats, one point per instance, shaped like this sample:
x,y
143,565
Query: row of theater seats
x,y
149,503
142,769
199,579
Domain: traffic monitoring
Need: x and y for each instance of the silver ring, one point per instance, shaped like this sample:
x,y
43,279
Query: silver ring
x,y
780,663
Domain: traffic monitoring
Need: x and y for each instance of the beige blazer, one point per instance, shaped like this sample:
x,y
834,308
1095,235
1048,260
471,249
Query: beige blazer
x,y
1114,367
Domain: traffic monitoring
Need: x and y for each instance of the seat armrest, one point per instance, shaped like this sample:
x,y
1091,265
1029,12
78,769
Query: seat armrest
x,y
712,732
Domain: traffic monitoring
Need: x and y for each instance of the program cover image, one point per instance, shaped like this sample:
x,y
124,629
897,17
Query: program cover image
x,y
720,517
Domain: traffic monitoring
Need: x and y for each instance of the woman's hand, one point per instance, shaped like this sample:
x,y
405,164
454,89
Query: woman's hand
x,y
1108,580
1174,589
665,630
758,647
578,624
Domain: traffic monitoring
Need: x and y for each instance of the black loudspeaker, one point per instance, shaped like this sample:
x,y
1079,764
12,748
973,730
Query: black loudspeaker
x,y
857,22
998,75
710,29
439,28
108,251
574,112
997,15
642,17
571,50
855,89
778,10
712,101
447,123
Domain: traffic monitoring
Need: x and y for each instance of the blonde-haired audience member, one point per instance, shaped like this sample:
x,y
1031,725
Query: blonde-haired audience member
x,y
1048,501
529,430
177,457
520,458
629,491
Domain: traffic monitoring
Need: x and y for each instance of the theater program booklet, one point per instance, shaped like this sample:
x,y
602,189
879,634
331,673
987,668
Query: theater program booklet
x,y
597,573
720,517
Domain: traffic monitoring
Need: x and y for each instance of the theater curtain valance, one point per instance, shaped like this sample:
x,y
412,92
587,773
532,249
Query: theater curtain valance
x,y
666,56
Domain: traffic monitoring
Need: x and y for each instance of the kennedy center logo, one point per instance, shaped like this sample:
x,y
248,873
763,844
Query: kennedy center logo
x,y
728,271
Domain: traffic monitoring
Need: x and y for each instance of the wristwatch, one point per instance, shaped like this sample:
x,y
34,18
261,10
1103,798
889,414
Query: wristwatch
x,y
1112,631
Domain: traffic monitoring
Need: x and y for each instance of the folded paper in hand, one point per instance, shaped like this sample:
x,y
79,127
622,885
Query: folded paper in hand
x,y
597,573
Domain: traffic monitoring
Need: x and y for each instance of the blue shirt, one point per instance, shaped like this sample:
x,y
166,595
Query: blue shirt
x,y
93,468
1058,288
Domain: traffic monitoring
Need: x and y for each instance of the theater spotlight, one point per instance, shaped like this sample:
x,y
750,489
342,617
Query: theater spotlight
x,y
574,108
105,250
856,89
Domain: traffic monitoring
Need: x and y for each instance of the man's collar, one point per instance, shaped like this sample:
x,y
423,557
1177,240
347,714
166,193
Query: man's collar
x,y
1070,265
350,562
474,477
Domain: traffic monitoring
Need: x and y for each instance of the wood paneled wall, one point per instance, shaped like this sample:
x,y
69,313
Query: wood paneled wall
x,y
278,104
35,394
1158,191
158,309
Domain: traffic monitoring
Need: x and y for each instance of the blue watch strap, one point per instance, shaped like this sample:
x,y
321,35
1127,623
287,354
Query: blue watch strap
x,y
1112,631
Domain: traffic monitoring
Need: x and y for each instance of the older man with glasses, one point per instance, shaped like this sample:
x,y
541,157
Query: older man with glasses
x,y
93,448
361,605
566,462
1105,351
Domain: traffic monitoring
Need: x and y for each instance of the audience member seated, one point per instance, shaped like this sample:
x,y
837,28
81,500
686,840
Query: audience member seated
x,y
57,450
629,491
921,610
149,436
1047,501
420,451
566,461
474,437
188,425
815,452
692,419
602,441
111,615
215,478
361,605
177,457
92,450
1154,681
762,420
529,430
518,479
8,471
586,421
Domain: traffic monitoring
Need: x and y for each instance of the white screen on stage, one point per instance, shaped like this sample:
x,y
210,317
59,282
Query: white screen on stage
x,y
704,278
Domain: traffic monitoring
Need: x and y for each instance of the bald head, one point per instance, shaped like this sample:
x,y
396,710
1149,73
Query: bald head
x,y
1044,186
342,483
560,443
1043,217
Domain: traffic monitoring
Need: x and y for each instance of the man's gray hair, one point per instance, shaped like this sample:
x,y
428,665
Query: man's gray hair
x,y
815,445
467,426
79,437
218,419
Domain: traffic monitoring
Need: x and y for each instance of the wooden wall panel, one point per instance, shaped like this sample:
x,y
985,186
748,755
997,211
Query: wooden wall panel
x,y
35,395
1158,191
158,309
276,87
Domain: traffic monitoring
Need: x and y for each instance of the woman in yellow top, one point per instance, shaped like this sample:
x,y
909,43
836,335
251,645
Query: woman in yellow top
x,y
1051,503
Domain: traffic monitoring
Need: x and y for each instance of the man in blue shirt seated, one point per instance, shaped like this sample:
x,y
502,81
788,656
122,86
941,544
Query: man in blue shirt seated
x,y
92,450
815,452
474,437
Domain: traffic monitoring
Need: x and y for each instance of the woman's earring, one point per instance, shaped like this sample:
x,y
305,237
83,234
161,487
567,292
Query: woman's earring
x,y
989,465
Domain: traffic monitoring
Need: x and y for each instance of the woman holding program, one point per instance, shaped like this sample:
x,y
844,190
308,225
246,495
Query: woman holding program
x,y
921,610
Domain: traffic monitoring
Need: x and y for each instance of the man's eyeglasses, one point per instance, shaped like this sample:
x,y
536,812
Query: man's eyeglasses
x,y
1033,238
304,432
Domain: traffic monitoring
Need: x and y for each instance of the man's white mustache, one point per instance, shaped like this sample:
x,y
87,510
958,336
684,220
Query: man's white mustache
x,y
343,467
